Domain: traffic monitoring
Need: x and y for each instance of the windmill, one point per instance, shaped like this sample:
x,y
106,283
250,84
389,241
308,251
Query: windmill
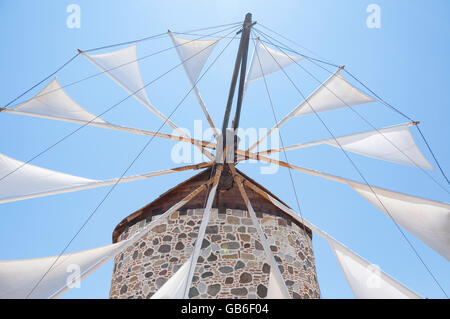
x,y
263,247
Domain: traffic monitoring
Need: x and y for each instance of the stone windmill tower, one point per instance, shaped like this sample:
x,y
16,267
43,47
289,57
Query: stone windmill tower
x,y
232,262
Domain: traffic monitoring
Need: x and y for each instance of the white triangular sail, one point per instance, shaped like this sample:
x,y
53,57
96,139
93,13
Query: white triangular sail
x,y
366,280
122,66
193,54
269,60
20,278
393,144
31,179
54,101
274,291
175,287
334,93
19,181
426,219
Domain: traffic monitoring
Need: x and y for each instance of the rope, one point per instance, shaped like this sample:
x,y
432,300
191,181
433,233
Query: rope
x,y
161,35
43,80
296,43
127,169
378,97
432,153
157,36
308,58
362,176
198,34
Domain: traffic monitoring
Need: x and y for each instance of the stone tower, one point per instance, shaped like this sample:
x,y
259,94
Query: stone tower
x,y
232,263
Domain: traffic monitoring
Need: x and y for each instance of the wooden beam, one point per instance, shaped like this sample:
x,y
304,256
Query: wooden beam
x,y
110,126
273,263
237,65
202,229
95,184
246,37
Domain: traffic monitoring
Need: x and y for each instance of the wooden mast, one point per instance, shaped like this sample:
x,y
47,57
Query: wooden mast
x,y
246,36
239,67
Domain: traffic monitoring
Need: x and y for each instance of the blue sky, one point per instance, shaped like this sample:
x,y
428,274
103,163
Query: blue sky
x,y
405,61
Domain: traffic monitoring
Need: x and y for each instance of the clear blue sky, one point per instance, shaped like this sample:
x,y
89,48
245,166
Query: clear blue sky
x,y
405,61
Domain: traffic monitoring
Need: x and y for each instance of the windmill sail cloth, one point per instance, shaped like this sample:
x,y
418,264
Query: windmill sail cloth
x,y
122,66
427,220
30,179
19,277
175,287
266,61
274,291
393,144
193,54
366,280
54,101
333,94
19,181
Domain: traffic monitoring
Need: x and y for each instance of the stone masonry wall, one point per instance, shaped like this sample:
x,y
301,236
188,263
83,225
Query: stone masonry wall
x,y
232,263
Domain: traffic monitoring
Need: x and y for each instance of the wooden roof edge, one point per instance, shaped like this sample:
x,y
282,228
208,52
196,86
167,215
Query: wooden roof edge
x,y
205,173
129,219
